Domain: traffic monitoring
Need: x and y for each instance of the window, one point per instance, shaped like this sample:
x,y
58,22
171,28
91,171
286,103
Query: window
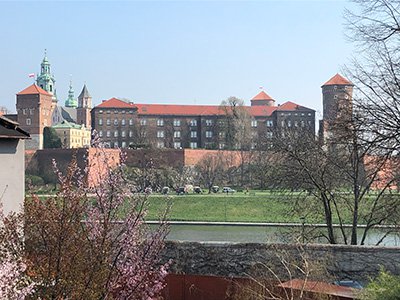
x,y
283,123
108,134
131,122
193,145
221,146
123,133
193,122
28,121
208,122
269,134
160,144
296,124
31,111
270,123
177,122
208,134
222,134
123,145
177,145
115,144
253,123
143,122
123,122
160,134
100,133
115,121
302,123
100,111
177,134
309,114
130,133
100,121
289,123
108,122
193,134
116,133
160,122
24,111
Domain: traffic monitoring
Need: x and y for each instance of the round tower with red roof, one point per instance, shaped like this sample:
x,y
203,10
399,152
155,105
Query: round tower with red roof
x,y
337,95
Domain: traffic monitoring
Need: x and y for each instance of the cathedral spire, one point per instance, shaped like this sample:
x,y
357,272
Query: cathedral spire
x,y
46,80
71,101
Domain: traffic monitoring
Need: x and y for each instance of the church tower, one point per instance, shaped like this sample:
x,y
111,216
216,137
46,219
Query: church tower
x,y
84,108
46,80
71,101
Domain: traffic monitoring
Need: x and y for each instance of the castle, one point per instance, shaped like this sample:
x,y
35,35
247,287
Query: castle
x,y
37,107
122,124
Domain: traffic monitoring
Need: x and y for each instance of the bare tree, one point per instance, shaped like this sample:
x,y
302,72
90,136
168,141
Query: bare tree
x,y
211,169
335,181
375,28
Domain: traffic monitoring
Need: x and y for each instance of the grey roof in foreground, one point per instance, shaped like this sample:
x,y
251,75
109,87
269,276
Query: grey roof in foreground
x,y
10,129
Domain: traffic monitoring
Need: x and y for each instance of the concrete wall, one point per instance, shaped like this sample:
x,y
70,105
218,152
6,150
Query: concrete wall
x,y
12,174
239,259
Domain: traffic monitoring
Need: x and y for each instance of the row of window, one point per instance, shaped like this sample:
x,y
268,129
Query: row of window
x,y
176,122
295,123
108,133
296,114
116,111
177,145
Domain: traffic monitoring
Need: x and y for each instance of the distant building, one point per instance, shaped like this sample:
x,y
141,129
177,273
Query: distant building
x,y
37,106
123,124
73,135
12,171
337,98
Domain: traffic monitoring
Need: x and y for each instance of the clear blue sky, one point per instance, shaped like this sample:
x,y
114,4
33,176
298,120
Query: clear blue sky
x,y
175,52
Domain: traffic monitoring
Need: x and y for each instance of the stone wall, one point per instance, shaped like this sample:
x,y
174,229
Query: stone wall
x,y
239,259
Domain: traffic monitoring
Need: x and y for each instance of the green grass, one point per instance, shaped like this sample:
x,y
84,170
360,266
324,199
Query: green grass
x,y
261,207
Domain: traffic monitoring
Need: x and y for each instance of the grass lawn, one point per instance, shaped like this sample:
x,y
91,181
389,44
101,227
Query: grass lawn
x,y
256,207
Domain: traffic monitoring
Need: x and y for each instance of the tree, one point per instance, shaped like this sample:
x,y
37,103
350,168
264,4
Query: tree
x,y
50,138
335,181
211,169
237,131
91,242
374,27
14,280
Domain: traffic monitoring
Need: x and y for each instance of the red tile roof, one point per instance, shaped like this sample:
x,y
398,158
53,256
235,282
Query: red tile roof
x,y
337,80
262,96
290,106
33,90
185,110
194,110
115,103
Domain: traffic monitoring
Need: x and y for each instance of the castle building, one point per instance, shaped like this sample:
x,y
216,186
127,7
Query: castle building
x,y
37,107
337,95
126,124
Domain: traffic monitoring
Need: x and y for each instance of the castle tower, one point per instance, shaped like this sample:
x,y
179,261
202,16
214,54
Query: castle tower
x,y
337,95
34,111
262,98
71,101
46,80
84,108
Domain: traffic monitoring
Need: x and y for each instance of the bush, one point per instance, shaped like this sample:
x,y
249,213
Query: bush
x,y
385,286
33,180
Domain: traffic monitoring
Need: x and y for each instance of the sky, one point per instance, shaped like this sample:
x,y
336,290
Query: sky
x,y
183,52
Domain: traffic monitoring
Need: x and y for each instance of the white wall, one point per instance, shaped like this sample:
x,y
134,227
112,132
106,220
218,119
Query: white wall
x,y
12,174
